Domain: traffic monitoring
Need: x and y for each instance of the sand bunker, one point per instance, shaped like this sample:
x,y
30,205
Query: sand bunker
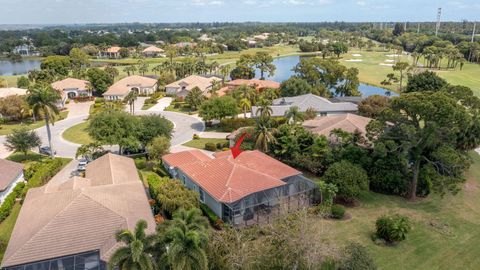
x,y
388,65
354,60
356,55
389,60
393,55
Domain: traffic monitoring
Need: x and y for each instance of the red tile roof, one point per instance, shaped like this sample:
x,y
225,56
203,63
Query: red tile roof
x,y
258,84
227,179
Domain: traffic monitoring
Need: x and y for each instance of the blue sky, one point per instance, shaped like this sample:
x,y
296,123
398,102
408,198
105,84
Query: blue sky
x,y
111,11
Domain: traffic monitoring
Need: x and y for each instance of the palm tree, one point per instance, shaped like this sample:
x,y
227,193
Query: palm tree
x,y
135,253
185,237
112,72
264,108
225,71
294,114
43,98
245,105
264,133
130,99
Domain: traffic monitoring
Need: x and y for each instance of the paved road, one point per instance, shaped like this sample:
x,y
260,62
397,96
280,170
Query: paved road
x,y
185,127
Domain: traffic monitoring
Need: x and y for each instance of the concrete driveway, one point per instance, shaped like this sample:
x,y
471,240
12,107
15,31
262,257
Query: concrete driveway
x,y
161,104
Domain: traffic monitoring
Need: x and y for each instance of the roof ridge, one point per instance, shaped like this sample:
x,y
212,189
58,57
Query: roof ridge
x,y
43,227
110,165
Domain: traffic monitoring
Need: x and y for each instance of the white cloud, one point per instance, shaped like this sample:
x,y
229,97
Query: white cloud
x,y
207,2
361,3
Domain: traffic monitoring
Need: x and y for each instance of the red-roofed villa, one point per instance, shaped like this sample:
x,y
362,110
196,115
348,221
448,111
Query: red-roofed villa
x,y
242,190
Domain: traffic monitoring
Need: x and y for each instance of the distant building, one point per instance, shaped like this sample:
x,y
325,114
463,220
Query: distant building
x,y
142,85
181,87
71,224
112,52
72,88
12,91
11,173
351,123
185,44
259,85
26,50
242,190
153,51
321,105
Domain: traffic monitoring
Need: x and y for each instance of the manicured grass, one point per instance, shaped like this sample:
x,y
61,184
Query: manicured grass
x,y
78,134
147,106
445,235
200,143
6,228
183,108
8,128
31,156
371,72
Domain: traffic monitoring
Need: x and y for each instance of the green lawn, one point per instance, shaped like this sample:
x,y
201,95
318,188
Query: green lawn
x,y
31,156
8,128
6,228
78,134
200,143
371,72
445,235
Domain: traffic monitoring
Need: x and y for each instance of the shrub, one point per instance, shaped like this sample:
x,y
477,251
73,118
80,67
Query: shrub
x,y
232,124
349,178
214,220
357,257
210,147
225,145
338,211
393,228
99,100
141,163
219,145
196,137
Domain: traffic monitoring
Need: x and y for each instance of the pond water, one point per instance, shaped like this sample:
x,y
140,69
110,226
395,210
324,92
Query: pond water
x,y
284,72
8,68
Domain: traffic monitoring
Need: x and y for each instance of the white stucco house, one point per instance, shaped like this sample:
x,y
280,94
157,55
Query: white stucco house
x,y
11,173
142,85
181,87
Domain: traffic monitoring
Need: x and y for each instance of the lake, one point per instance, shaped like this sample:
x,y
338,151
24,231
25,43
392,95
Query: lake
x,y
8,68
284,72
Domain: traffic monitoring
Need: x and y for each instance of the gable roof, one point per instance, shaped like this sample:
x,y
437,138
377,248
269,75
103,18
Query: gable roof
x,y
304,102
9,171
258,84
70,83
80,214
194,81
11,91
113,49
346,122
154,49
227,179
123,86
185,157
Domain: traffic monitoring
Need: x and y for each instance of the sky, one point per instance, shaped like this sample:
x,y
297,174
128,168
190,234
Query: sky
x,y
118,11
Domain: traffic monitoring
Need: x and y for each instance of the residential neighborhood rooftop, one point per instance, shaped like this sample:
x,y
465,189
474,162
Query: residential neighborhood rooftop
x,y
80,214
229,179
70,83
123,86
9,171
11,91
348,122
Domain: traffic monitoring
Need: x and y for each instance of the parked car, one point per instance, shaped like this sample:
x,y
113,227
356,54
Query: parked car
x,y
82,165
47,151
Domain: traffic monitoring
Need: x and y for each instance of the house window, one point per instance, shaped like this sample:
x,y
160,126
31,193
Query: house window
x,y
323,114
202,195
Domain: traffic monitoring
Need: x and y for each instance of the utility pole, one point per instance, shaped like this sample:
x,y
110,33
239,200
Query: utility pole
x,y
418,28
405,27
439,16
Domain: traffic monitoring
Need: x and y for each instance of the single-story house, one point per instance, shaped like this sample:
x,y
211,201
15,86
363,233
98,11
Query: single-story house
x,y
26,50
72,224
181,87
11,173
185,44
352,99
321,105
153,51
112,52
12,91
241,190
142,85
72,88
259,85
351,123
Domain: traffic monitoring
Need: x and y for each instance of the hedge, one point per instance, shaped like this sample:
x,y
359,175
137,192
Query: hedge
x,y
9,201
230,125
214,220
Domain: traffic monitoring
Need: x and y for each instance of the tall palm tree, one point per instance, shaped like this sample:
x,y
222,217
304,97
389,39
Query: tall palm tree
x,y
135,254
264,109
294,114
264,133
130,99
43,98
225,71
185,237
245,105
